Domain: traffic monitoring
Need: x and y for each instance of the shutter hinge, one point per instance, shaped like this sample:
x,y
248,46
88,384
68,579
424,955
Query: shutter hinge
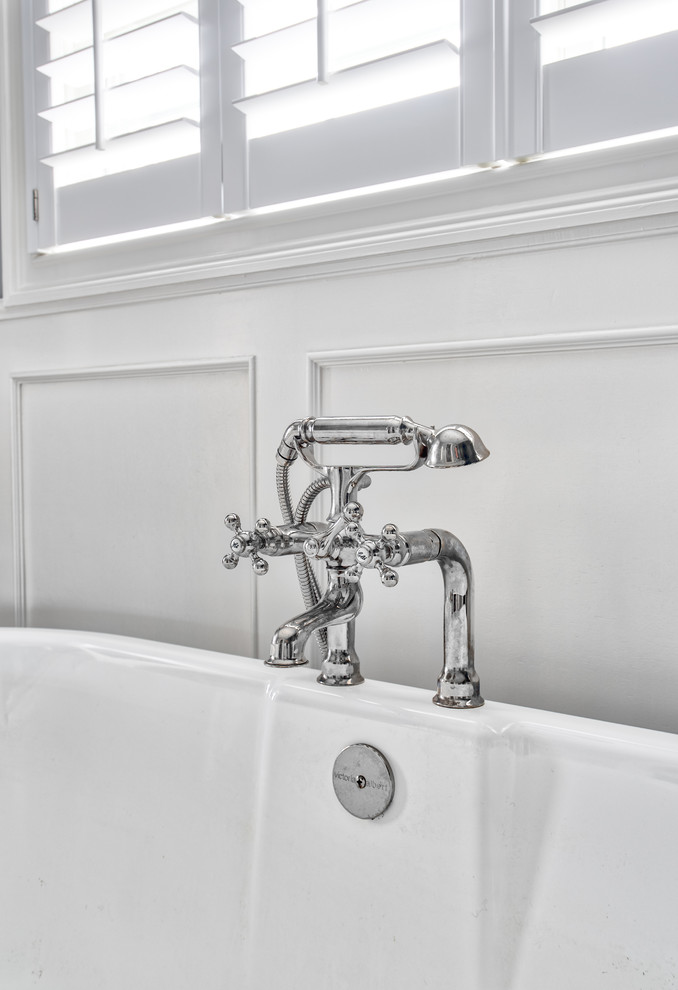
x,y
36,205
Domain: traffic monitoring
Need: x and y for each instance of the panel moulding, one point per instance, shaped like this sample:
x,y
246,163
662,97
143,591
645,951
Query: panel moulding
x,y
583,341
165,369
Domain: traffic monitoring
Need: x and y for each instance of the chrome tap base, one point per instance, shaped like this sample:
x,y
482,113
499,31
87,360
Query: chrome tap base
x,y
271,662
339,680
341,669
451,702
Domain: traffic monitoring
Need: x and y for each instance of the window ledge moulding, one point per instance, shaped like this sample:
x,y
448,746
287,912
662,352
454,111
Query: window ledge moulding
x,y
614,194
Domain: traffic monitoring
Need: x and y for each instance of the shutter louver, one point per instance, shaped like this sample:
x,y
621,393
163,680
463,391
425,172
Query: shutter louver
x,y
609,69
342,94
118,93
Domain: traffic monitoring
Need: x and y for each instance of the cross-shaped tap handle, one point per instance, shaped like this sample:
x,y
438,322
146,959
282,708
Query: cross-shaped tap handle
x,y
347,525
378,553
246,543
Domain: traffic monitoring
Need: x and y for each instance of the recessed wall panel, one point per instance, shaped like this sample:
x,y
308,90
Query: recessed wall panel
x,y
571,523
125,478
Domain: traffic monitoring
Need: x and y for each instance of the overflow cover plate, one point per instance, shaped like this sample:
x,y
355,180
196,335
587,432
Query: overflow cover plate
x,y
363,781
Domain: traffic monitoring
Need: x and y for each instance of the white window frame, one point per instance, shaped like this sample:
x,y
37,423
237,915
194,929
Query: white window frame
x,y
621,191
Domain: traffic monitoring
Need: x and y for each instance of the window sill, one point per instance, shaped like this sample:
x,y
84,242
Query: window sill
x,y
603,195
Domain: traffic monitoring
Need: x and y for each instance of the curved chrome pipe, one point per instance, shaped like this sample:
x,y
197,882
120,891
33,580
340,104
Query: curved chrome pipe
x,y
458,684
336,611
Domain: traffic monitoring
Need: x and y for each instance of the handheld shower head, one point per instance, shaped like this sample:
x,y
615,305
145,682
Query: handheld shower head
x,y
455,446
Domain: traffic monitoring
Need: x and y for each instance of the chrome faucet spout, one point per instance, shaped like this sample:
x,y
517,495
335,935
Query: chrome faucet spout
x,y
336,611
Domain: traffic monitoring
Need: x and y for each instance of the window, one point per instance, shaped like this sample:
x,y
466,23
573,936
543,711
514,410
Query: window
x,y
343,94
115,129
609,69
150,112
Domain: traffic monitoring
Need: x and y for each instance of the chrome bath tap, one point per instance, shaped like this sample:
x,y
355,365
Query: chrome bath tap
x,y
345,550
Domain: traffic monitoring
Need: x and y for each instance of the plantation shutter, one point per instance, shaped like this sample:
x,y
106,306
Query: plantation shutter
x,y
143,113
116,117
344,94
609,69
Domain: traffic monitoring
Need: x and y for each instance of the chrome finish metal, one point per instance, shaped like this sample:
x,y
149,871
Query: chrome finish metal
x,y
338,608
458,684
455,446
363,781
345,549
358,429
389,578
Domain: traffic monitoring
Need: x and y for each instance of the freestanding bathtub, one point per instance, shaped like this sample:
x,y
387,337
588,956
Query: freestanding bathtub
x,y
168,821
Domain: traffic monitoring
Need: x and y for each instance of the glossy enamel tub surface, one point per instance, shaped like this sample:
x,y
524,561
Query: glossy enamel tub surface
x,y
168,822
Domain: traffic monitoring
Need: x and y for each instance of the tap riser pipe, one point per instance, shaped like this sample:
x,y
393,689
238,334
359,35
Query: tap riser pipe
x,y
458,684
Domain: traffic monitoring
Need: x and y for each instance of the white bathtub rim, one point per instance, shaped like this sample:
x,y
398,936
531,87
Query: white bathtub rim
x,y
388,702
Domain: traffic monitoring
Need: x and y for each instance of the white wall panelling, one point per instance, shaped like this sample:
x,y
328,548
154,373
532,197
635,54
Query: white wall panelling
x,y
120,479
571,523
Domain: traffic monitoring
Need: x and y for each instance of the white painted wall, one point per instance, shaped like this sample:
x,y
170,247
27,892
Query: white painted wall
x,y
571,523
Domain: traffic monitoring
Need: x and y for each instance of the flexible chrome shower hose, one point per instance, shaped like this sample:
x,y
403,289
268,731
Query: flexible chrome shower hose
x,y
307,581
